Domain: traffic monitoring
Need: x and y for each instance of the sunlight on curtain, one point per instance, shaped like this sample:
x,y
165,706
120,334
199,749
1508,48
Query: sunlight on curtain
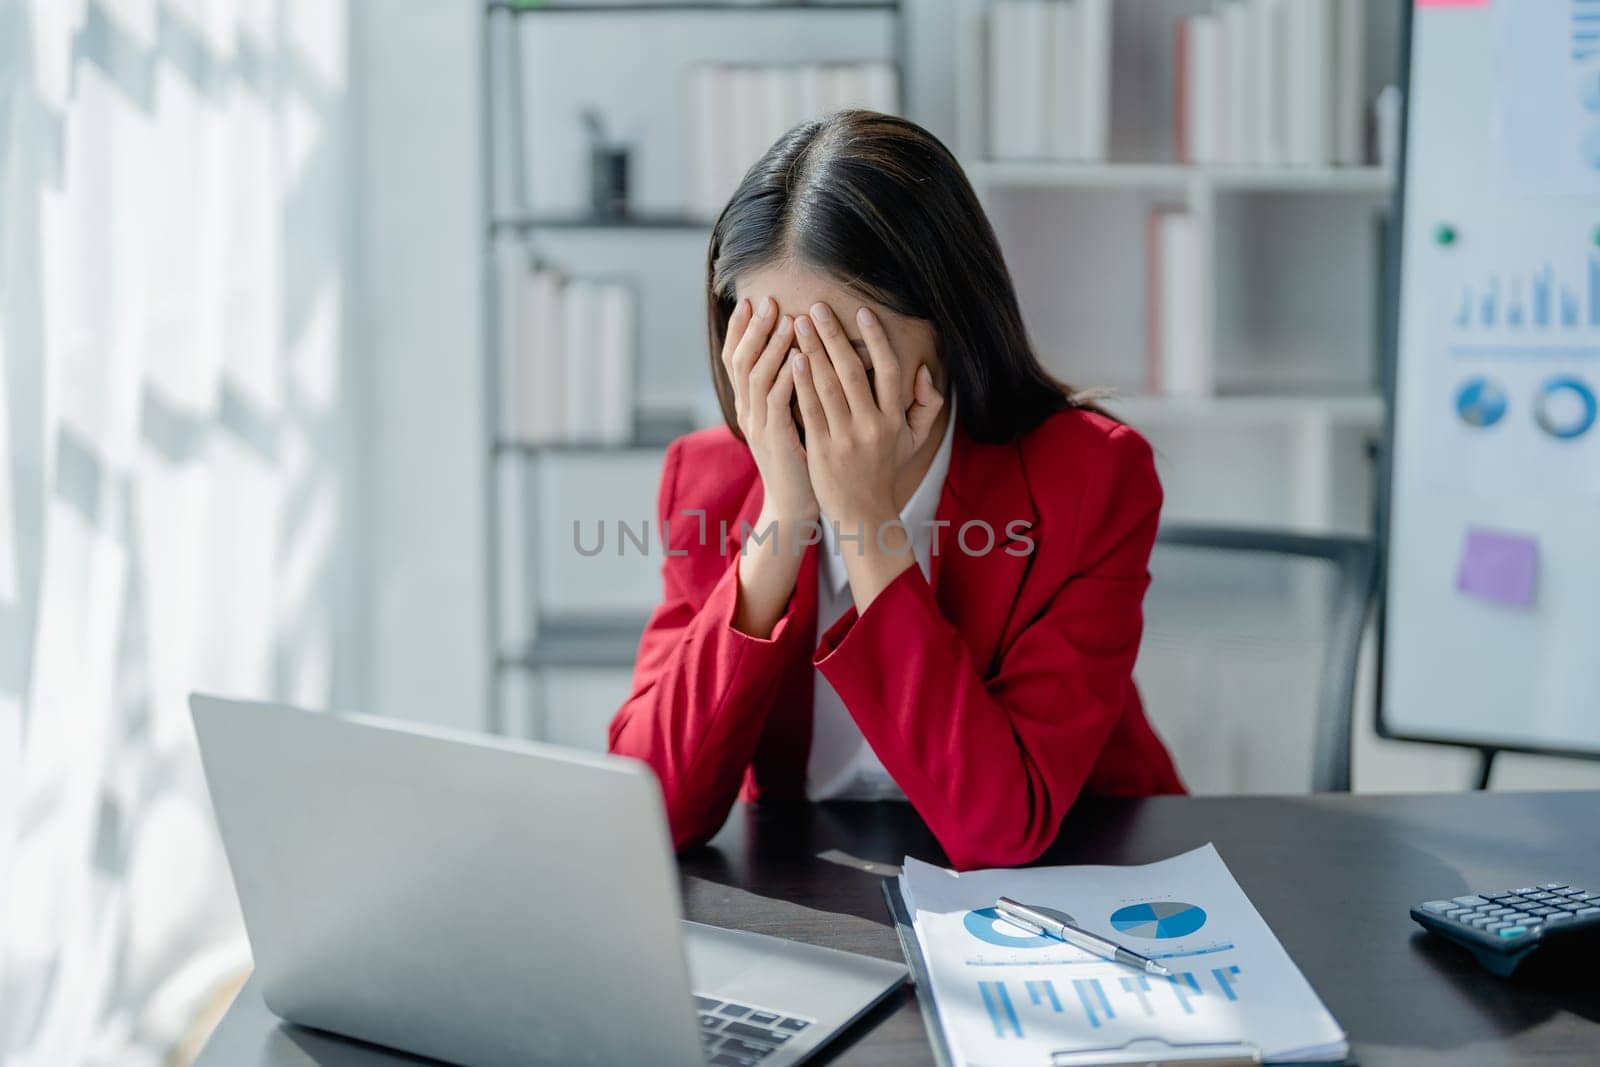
x,y
172,278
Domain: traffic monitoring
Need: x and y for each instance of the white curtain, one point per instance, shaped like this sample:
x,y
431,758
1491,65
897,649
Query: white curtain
x,y
173,485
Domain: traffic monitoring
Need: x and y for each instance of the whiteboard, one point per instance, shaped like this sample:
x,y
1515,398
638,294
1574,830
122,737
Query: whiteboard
x,y
1491,607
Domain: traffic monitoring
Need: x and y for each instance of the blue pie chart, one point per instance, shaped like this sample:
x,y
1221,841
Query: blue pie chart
x,y
985,924
1481,402
1567,407
1159,919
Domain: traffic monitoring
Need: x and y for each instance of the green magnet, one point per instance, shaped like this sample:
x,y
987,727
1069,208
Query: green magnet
x,y
1444,234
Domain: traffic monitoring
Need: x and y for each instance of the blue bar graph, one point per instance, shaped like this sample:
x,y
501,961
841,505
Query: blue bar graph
x,y
1224,977
1186,989
1552,303
1569,308
1002,1014
1047,990
1017,1009
1541,296
1139,986
1093,997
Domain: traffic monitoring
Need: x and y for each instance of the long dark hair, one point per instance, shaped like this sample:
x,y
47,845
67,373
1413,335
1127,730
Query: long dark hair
x,y
878,203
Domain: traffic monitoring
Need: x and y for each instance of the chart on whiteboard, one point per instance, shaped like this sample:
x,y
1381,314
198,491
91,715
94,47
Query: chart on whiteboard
x,y
1514,390
1008,995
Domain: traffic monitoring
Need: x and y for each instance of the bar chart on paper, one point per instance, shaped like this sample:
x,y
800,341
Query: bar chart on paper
x,y
1015,1007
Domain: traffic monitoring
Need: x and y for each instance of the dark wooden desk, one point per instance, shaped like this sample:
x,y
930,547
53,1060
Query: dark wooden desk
x,y
1333,875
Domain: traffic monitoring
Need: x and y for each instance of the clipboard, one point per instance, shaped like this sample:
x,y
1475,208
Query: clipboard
x,y
1158,1054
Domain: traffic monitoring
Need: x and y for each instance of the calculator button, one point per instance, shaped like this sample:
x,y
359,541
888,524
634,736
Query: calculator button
x,y
1588,913
1554,885
1519,917
1438,907
1556,920
1527,889
1512,931
1470,901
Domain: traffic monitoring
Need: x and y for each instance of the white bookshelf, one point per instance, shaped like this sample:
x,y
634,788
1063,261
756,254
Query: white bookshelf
x,y
1290,310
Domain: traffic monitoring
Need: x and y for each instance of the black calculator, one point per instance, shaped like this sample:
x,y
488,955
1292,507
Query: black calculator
x,y
1502,929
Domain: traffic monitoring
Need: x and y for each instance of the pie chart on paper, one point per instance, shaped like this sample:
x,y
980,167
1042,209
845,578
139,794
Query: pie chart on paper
x,y
1159,919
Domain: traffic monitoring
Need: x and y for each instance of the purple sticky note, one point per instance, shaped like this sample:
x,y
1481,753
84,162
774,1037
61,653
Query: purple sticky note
x,y
1499,567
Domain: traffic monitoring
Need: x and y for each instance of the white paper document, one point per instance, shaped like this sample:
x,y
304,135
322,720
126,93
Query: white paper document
x,y
1009,996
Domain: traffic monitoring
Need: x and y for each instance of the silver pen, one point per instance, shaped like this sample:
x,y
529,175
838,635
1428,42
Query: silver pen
x,y
1038,922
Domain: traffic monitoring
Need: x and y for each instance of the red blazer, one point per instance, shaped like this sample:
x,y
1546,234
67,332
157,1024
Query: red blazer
x,y
995,695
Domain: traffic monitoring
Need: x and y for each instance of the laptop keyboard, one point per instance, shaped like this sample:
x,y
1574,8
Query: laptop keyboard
x,y
739,1035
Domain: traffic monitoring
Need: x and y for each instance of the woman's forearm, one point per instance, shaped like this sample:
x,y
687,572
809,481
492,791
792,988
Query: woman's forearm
x,y
768,569
880,553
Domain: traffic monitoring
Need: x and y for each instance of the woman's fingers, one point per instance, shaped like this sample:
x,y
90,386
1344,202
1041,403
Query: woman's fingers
x,y
742,313
779,396
925,406
738,322
749,347
824,380
885,367
805,390
846,364
767,367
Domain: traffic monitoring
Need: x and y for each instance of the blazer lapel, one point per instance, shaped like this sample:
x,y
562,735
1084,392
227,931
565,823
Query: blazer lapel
x,y
976,577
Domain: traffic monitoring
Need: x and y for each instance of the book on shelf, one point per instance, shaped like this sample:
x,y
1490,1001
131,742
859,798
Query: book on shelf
x,y
1177,362
735,111
1273,83
1265,61
571,358
1048,76
540,365
1200,60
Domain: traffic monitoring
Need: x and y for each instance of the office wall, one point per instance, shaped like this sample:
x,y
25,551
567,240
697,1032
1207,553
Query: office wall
x,y
174,429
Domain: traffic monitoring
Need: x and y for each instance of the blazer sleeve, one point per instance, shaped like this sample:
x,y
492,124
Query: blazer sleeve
x,y
993,764
701,688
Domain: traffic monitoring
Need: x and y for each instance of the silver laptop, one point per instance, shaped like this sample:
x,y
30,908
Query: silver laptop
x,y
492,902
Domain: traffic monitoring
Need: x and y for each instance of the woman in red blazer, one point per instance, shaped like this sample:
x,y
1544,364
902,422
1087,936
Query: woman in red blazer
x,y
912,564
